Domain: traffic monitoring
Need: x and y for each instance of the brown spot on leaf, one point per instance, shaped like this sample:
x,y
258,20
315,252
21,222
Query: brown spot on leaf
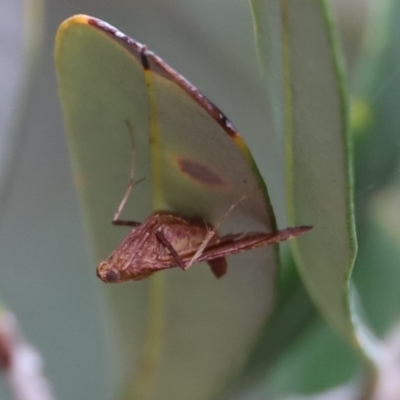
x,y
199,172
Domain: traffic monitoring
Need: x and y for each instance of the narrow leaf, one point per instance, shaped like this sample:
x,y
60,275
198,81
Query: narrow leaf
x,y
314,124
191,333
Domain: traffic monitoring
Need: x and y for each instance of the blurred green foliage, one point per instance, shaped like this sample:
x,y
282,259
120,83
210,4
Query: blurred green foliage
x,y
46,277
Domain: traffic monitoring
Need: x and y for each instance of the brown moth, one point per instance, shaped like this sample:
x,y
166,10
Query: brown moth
x,y
166,240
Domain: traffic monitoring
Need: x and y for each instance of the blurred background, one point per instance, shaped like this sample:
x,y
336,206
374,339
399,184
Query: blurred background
x,y
47,276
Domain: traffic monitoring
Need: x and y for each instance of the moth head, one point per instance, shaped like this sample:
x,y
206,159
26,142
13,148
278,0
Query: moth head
x,y
107,273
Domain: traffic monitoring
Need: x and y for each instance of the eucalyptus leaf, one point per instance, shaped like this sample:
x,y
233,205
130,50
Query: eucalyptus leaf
x,y
20,58
376,122
292,316
179,335
301,67
319,360
376,271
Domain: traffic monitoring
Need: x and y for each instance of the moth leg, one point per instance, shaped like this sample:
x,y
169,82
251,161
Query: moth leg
x,y
218,266
116,220
211,233
178,259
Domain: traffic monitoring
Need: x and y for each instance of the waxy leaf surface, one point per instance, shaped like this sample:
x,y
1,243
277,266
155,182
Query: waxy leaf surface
x,y
180,334
301,68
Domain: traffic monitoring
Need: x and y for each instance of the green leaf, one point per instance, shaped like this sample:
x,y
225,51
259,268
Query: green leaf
x,y
377,270
376,121
299,58
180,335
293,314
318,359
24,64
375,129
304,369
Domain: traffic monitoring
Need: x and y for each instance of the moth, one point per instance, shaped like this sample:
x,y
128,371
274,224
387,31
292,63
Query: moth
x,y
190,144
166,240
